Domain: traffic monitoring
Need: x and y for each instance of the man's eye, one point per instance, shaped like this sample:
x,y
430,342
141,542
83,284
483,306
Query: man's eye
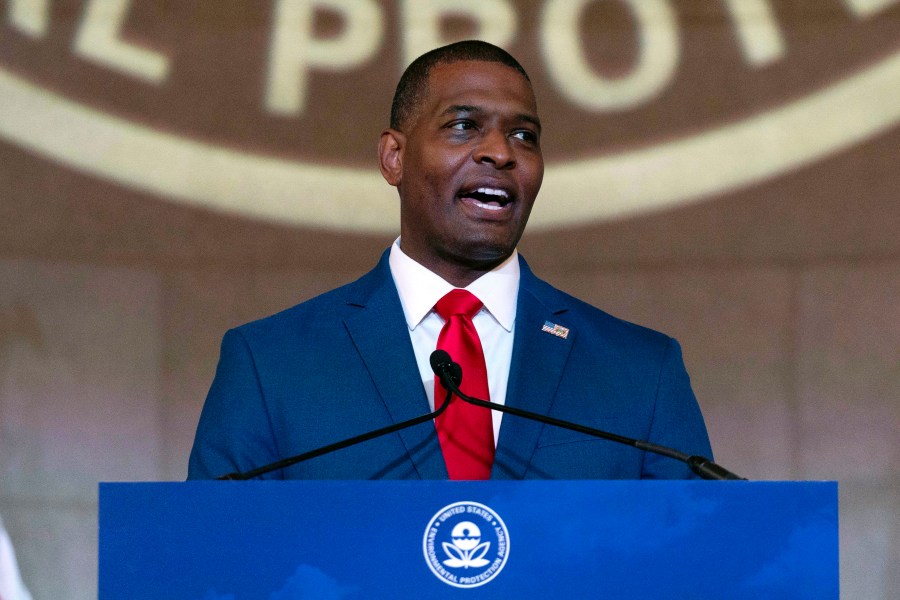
x,y
526,136
462,125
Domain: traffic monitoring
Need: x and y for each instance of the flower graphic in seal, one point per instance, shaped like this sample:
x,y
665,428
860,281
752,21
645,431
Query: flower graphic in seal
x,y
466,544
466,551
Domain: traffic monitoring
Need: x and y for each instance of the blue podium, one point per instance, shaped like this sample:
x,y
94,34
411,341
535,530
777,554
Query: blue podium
x,y
222,540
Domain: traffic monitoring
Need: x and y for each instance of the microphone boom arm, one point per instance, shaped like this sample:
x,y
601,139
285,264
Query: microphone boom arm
x,y
700,465
370,435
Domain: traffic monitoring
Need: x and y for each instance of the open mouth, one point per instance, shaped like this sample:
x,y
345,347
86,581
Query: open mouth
x,y
487,198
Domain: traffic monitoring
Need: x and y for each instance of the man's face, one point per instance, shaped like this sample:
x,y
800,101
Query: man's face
x,y
468,169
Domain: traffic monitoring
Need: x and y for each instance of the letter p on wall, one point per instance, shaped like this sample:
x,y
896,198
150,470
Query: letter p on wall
x,y
295,50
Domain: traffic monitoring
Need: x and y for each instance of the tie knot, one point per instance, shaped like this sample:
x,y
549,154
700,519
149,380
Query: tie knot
x,y
458,302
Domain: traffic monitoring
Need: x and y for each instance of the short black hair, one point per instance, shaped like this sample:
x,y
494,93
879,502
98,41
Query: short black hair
x,y
413,84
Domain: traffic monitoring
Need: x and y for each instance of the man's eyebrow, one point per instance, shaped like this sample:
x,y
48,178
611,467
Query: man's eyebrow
x,y
459,108
528,118
455,109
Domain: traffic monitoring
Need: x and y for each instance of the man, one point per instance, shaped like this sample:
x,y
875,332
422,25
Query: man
x,y
463,150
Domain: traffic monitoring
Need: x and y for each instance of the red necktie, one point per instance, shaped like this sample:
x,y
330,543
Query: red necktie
x,y
465,431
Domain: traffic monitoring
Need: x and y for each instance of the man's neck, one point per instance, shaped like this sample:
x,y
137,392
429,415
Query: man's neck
x,y
456,272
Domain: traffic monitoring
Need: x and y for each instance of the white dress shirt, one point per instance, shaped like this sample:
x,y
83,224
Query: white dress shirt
x,y
498,290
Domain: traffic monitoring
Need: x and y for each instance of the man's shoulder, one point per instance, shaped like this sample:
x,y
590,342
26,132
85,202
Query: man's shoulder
x,y
325,310
587,319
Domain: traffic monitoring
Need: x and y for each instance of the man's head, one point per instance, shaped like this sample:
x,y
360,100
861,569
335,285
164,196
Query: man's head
x,y
464,152
413,85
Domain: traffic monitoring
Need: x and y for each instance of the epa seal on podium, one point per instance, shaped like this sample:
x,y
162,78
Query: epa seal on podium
x,y
466,544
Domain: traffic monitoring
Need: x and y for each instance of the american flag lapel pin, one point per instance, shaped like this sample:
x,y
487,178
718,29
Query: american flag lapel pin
x,y
554,329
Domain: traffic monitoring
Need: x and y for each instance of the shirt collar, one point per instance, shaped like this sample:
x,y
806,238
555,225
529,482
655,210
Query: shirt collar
x,y
420,289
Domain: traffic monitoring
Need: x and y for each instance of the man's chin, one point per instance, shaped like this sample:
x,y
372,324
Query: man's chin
x,y
484,255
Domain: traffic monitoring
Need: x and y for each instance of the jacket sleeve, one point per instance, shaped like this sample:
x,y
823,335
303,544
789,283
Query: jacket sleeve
x,y
677,420
235,431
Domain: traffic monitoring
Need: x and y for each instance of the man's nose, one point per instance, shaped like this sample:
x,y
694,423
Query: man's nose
x,y
494,148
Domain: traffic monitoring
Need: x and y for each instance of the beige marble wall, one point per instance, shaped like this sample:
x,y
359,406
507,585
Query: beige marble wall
x,y
80,402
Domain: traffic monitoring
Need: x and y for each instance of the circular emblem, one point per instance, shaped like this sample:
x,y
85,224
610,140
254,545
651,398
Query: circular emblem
x,y
155,97
466,544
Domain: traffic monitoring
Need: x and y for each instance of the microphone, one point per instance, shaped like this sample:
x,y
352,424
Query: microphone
x,y
444,367
358,439
450,374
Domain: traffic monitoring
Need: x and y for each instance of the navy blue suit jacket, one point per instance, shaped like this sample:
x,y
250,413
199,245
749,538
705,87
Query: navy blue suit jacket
x,y
342,364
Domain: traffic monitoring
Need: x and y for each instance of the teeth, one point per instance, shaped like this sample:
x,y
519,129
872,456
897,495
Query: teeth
x,y
492,192
489,198
487,206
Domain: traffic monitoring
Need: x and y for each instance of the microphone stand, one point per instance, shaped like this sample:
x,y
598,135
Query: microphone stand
x,y
449,373
286,462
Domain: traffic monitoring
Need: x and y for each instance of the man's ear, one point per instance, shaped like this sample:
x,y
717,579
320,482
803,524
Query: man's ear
x,y
390,155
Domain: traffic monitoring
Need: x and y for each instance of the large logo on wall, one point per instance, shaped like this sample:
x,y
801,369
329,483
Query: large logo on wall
x,y
466,544
271,108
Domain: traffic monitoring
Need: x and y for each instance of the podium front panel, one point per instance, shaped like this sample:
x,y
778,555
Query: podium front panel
x,y
432,539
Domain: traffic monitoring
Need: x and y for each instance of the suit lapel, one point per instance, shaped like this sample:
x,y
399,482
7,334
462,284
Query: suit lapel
x,y
379,331
538,361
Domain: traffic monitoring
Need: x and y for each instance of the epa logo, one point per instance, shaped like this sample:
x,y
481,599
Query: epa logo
x,y
466,544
